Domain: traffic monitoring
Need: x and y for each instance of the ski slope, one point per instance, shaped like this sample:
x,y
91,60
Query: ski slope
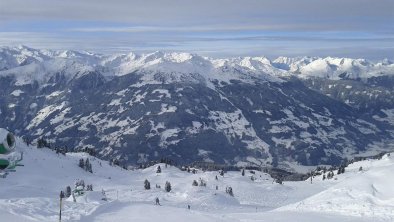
x,y
32,193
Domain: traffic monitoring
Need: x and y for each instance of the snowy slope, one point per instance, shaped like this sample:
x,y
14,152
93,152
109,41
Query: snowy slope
x,y
31,193
366,193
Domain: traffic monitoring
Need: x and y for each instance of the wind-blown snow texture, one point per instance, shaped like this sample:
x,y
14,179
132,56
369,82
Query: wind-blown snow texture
x,y
250,110
31,193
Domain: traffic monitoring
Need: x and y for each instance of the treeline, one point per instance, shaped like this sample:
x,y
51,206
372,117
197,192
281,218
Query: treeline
x,y
276,173
329,172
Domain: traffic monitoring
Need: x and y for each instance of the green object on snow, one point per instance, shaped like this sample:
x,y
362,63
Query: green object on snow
x,y
3,150
4,163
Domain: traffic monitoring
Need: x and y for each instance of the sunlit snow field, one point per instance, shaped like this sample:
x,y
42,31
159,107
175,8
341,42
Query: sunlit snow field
x,y
32,193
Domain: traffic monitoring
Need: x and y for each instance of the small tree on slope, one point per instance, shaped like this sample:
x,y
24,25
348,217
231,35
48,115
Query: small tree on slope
x,y
168,186
146,185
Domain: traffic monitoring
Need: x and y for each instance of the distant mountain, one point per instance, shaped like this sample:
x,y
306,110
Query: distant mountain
x,y
186,107
121,64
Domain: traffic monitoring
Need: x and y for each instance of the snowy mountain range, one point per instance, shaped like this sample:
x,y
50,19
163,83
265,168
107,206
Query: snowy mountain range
x,y
182,106
122,64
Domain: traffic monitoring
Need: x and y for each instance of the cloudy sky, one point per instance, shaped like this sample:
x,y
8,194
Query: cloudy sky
x,y
217,28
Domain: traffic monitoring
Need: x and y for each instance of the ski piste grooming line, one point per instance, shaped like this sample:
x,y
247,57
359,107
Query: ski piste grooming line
x,y
9,158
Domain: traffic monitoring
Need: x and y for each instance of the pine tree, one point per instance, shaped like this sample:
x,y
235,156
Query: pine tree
x,y
81,163
167,186
243,172
90,168
146,185
89,187
158,169
87,164
68,191
195,183
82,183
42,143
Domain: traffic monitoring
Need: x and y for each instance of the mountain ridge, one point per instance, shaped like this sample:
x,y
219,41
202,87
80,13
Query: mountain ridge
x,y
137,108
121,64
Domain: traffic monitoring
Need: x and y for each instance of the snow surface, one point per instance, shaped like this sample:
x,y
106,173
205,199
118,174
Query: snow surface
x,y
31,193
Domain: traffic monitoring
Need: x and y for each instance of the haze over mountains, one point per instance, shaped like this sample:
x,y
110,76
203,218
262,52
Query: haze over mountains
x,y
242,111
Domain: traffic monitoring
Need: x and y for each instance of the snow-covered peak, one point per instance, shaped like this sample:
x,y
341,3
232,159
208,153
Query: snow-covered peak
x,y
172,58
336,68
178,66
179,57
154,57
254,63
333,67
284,60
72,54
43,71
11,57
385,62
183,63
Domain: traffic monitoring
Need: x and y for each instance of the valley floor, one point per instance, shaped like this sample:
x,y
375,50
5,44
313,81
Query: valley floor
x,y
32,193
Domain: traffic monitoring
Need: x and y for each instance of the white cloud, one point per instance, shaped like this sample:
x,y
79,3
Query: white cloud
x,y
285,14
365,28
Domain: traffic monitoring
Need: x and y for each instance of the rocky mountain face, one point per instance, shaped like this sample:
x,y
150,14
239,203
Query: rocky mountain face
x,y
241,111
367,95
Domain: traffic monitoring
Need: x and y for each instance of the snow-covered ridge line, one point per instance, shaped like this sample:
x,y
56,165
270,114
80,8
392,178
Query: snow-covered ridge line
x,y
181,62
